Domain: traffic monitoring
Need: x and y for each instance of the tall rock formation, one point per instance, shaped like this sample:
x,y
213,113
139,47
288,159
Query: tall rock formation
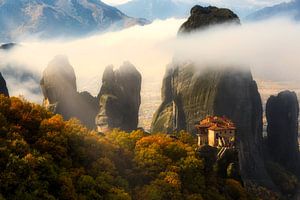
x,y
282,113
60,93
3,87
189,95
119,99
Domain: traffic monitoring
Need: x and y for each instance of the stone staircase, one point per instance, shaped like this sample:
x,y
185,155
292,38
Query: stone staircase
x,y
221,152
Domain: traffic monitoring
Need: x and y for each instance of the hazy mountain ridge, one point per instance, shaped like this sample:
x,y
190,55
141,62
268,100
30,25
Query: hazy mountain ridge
x,y
156,9
163,9
291,9
59,18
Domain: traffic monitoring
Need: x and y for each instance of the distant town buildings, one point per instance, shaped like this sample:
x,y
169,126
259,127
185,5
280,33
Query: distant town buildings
x,y
216,132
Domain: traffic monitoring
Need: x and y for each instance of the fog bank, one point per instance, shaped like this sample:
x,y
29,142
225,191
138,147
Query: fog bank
x,y
270,48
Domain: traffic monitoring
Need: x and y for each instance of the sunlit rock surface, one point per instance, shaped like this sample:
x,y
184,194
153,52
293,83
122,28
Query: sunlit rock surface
x,y
60,93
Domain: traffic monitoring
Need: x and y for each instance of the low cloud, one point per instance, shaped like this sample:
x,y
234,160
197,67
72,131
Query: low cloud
x,y
22,82
270,48
144,46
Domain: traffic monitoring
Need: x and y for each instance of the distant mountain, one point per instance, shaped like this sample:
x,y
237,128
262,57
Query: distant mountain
x,y
51,18
7,46
156,9
291,9
163,9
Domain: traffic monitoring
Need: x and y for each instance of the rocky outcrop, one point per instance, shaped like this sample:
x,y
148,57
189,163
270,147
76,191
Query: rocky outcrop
x,y
119,99
202,17
3,87
7,46
282,113
190,94
60,93
117,105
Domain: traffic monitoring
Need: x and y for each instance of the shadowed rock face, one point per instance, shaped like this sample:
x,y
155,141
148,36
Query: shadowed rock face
x,y
190,94
60,93
3,87
119,99
282,114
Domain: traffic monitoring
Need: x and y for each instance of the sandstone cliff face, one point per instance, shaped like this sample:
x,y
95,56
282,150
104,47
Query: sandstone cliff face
x,y
60,93
189,95
282,113
3,87
119,99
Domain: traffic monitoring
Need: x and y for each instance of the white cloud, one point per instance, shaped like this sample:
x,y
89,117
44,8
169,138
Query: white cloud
x,y
143,46
270,48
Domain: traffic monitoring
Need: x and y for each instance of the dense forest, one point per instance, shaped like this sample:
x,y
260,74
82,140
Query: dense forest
x,y
44,157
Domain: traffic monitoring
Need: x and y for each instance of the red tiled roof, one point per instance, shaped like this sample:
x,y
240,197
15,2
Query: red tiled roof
x,y
216,123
